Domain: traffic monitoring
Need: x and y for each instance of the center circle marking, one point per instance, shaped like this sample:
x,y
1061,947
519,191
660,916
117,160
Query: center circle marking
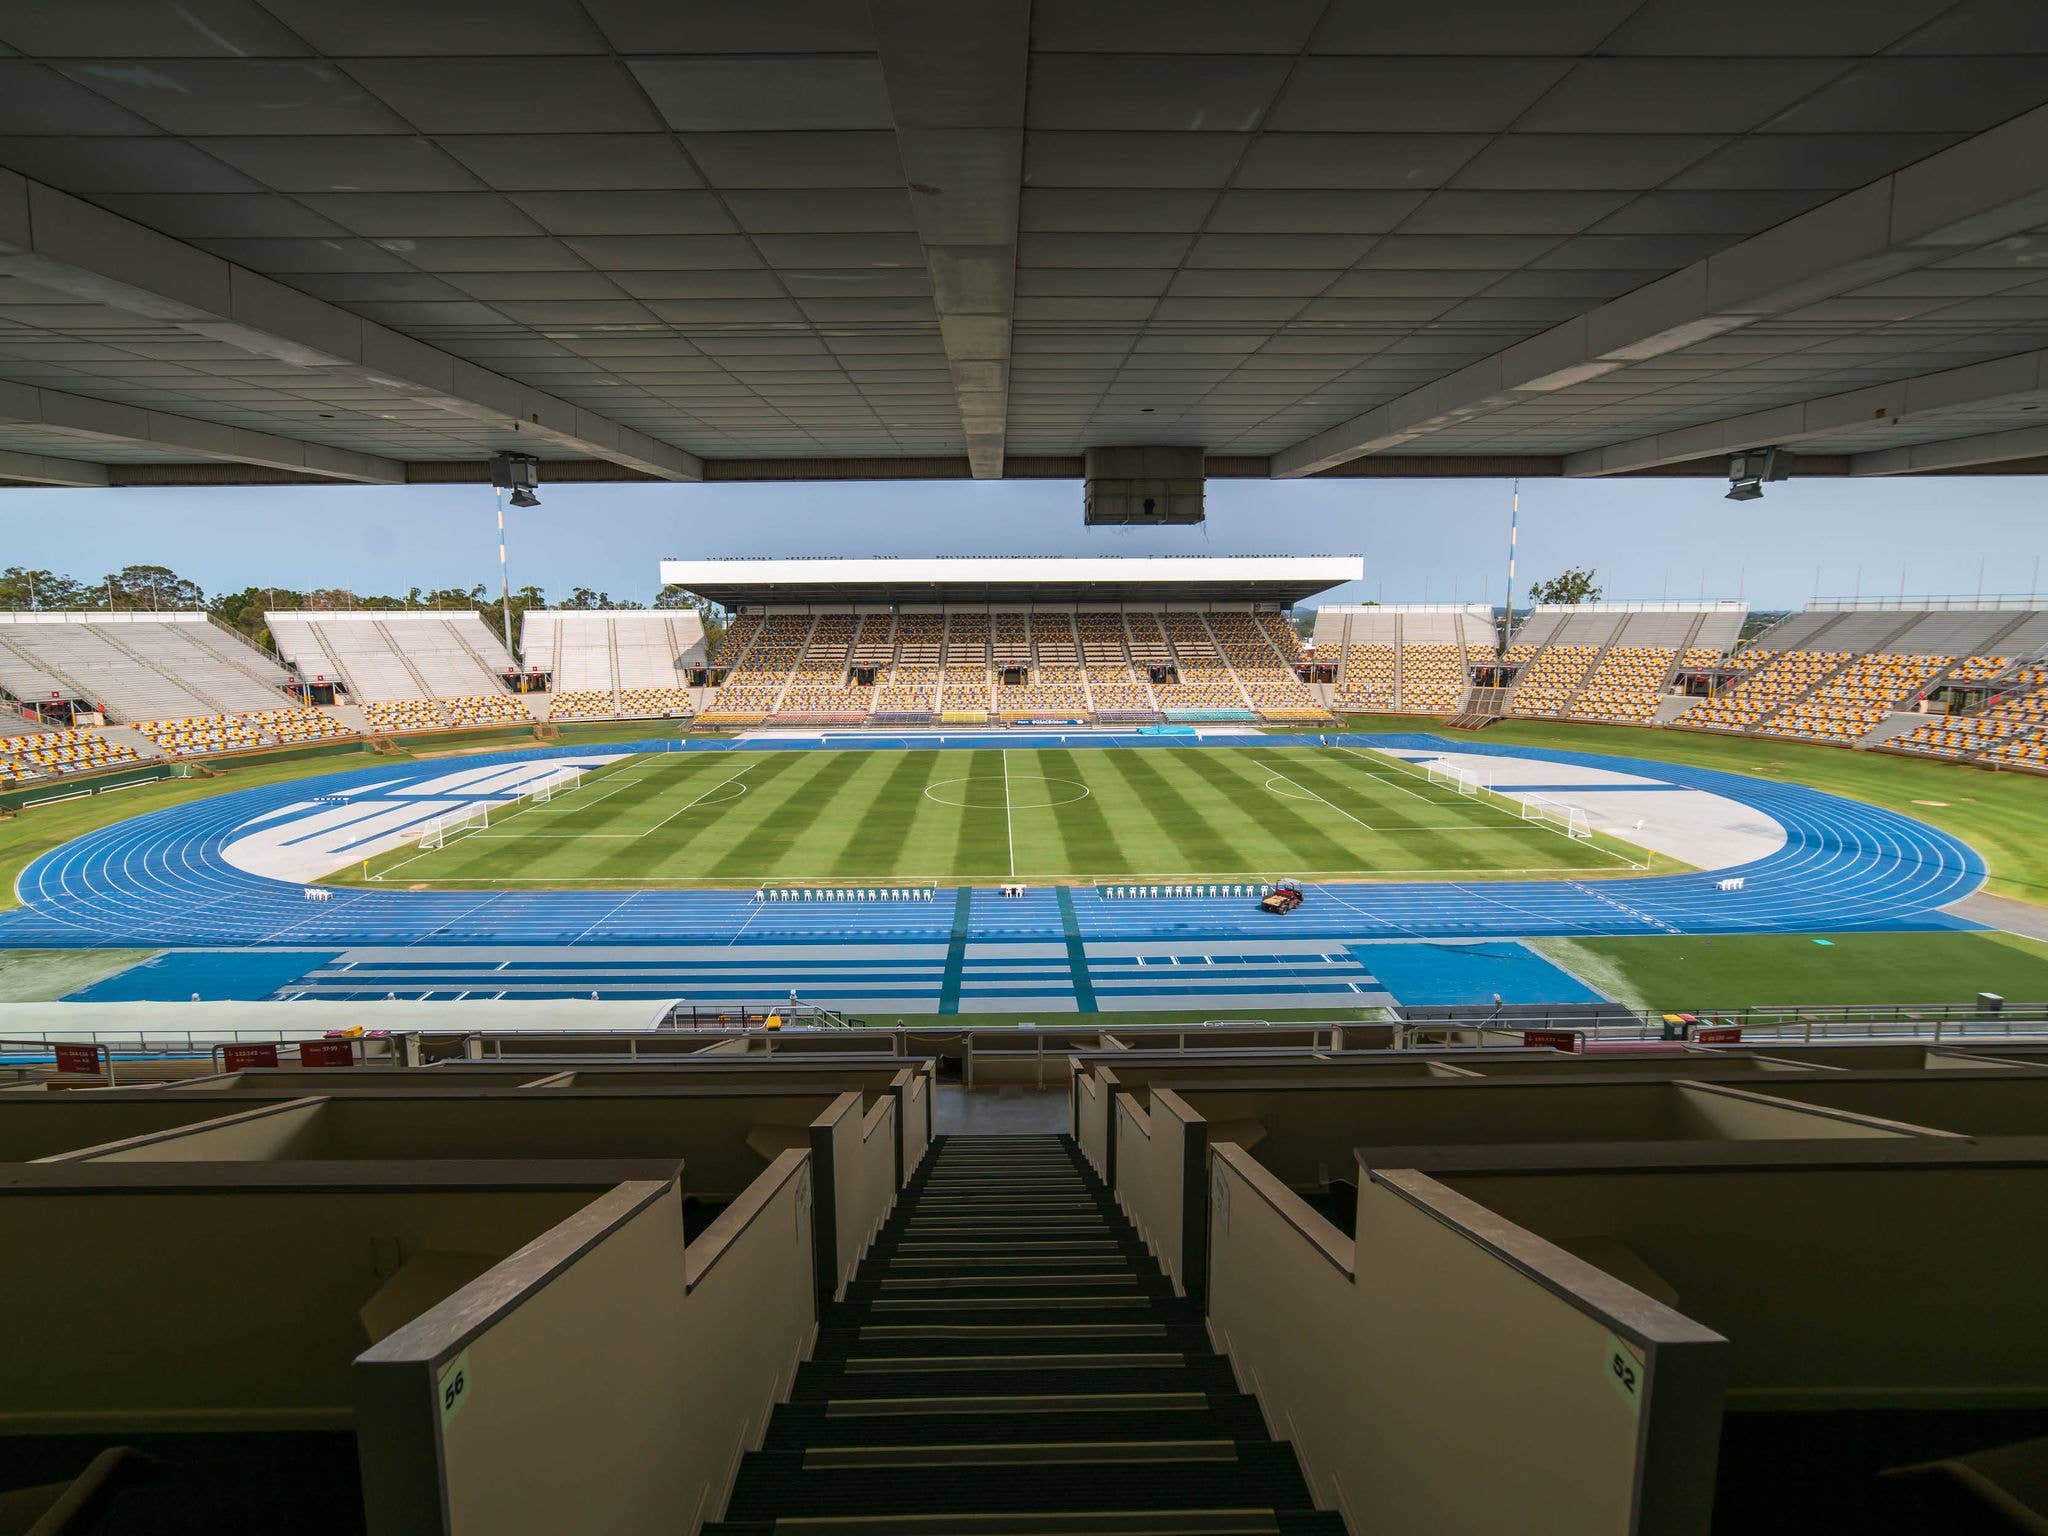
x,y
984,793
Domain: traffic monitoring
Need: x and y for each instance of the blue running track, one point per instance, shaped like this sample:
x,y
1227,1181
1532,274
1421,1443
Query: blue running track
x,y
161,880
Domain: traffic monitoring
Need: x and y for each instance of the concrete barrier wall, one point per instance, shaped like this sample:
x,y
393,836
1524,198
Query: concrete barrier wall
x,y
874,1184
748,1324
1442,1334
266,1133
1986,1101
325,1081
548,1394
1692,1064
41,1124
1092,1091
1882,1286
916,1117
1160,1157
710,1130
149,1314
1307,1134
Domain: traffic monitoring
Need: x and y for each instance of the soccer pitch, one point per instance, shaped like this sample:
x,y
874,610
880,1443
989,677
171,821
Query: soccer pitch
x,y
1025,813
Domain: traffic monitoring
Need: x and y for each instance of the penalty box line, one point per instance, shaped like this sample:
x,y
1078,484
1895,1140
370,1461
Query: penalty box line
x,y
527,837
1312,794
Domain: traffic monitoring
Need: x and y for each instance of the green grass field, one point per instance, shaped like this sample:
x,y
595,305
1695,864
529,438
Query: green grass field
x,y
1239,813
1844,969
2004,816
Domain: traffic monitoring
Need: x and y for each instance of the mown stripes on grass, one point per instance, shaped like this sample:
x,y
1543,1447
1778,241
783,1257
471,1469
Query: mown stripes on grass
x,y
1109,813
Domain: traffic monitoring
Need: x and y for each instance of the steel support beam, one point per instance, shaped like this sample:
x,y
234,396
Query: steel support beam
x,y
99,424
2006,382
40,469
1955,453
1984,189
955,77
63,243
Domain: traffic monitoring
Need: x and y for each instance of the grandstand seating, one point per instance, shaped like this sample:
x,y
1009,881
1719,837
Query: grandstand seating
x,y
911,689
1773,684
1625,684
1073,664
1147,642
387,657
206,734
1434,678
1858,699
582,704
1546,685
653,703
390,715
739,634
755,682
1052,691
403,715
1052,640
2011,730
1365,680
1411,658
1979,668
1265,676
919,637
608,653
136,666
28,756
1281,636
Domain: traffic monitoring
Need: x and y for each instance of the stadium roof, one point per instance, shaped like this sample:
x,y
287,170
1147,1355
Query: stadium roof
x,y
285,239
1284,579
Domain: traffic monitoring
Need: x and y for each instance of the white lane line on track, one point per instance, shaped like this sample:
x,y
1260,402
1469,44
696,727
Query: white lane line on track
x,y
1845,866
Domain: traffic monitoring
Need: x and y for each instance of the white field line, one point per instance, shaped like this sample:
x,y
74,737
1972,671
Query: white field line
x,y
672,815
1009,821
1386,778
1313,795
521,837
1358,875
1496,800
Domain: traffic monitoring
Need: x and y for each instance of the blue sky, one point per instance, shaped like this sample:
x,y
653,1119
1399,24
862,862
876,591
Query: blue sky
x,y
1423,541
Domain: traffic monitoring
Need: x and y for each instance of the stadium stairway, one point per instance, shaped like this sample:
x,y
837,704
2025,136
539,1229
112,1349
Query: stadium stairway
x,y
1009,1359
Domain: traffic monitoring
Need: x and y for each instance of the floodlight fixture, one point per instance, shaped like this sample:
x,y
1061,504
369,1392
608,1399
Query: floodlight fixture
x,y
1748,470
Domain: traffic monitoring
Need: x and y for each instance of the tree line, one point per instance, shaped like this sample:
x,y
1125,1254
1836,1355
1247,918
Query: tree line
x,y
158,588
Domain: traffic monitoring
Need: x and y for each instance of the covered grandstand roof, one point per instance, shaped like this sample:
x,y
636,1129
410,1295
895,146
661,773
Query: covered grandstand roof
x,y
1283,579
730,241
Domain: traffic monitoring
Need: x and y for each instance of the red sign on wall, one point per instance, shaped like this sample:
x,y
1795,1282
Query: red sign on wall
x,y
1720,1034
327,1053
81,1059
1552,1039
239,1058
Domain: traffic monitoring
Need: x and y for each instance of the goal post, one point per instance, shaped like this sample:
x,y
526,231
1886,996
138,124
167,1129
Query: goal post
x,y
1464,781
437,832
1568,819
559,782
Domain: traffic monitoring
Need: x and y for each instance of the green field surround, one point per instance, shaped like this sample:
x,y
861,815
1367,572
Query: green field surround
x,y
1234,813
1699,971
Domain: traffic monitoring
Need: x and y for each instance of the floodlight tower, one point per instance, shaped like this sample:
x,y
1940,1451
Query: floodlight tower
x,y
1507,634
518,473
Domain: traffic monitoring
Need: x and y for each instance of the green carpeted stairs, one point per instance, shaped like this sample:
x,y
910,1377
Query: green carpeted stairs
x,y
1010,1361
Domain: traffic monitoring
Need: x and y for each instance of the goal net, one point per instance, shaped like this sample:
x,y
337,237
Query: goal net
x,y
1464,780
560,782
1568,819
442,828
